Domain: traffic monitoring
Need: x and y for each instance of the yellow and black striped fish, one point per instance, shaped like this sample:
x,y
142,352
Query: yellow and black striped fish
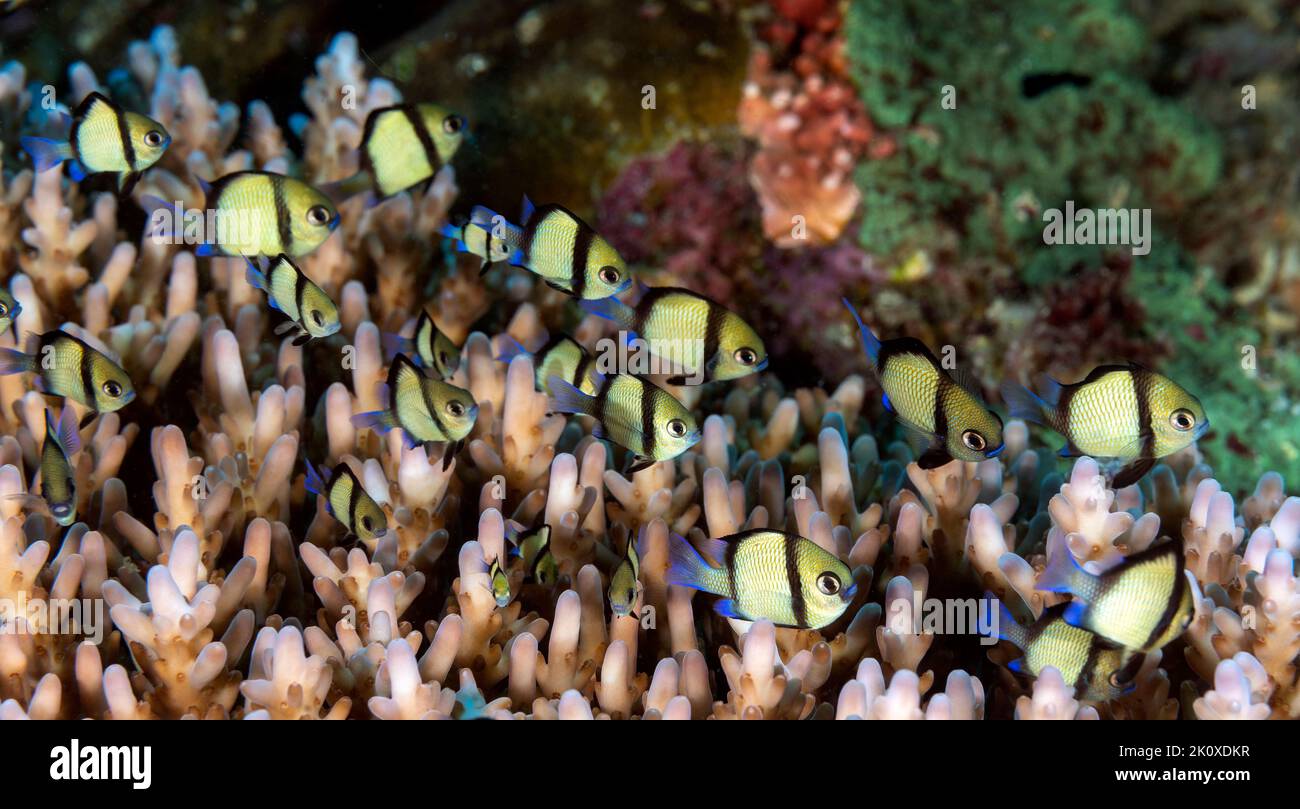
x,y
1122,412
426,410
560,356
485,243
249,213
104,138
402,146
765,574
698,339
348,502
534,548
68,367
633,413
559,247
622,584
430,347
1143,603
1097,669
500,583
10,309
288,289
58,485
930,402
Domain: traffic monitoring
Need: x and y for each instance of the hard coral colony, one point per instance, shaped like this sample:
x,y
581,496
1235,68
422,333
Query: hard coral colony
x,y
357,510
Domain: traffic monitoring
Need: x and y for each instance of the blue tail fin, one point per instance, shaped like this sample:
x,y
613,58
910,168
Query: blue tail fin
x,y
456,233
565,398
69,438
377,420
1023,403
46,153
1063,571
13,361
395,344
687,568
870,341
160,220
513,348
482,215
256,278
1008,629
611,309
315,484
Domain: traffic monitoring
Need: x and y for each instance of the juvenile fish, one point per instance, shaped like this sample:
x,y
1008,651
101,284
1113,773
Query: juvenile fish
x,y
622,585
500,583
559,247
401,146
426,410
534,549
104,138
765,574
347,502
561,356
430,347
68,367
58,484
930,402
1122,412
249,213
633,413
692,334
310,311
479,241
1097,669
1142,603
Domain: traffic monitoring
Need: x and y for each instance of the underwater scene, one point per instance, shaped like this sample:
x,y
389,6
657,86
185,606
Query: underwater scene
x,y
649,359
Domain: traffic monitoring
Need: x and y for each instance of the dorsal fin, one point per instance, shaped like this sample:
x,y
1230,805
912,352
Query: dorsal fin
x,y
88,105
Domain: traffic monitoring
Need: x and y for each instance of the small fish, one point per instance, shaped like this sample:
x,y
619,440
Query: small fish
x,y
401,146
58,486
347,501
251,213
947,413
68,367
765,574
104,138
534,548
559,247
633,413
430,348
1097,669
478,241
427,410
622,585
10,309
561,356
1123,412
500,583
310,311
1143,603
697,336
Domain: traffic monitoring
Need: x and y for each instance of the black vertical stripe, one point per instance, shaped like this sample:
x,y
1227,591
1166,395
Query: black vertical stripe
x,y
281,213
578,263
1141,392
354,496
531,228
580,374
797,604
421,132
1171,606
940,410
87,374
299,290
712,333
602,399
124,133
427,396
729,563
1090,663
648,439
1063,423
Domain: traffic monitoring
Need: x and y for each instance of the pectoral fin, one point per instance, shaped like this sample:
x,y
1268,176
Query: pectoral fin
x,y
1132,473
934,457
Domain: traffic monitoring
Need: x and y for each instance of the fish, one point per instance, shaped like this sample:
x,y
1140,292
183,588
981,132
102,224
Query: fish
x,y
1123,412
104,139
347,501
702,339
560,356
68,367
765,575
478,241
401,147
425,409
534,549
1096,668
58,485
429,348
1143,603
553,243
10,309
633,413
310,311
947,414
623,583
248,213
500,583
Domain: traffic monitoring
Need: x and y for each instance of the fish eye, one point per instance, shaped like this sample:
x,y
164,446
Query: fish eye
x,y
444,358
318,215
153,138
112,388
610,275
317,317
456,408
677,428
453,124
746,356
367,524
973,440
4,310
828,583
1183,420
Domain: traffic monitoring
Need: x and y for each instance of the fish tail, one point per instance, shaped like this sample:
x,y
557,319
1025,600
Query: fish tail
x,y
483,216
1023,403
870,341
687,568
378,420
456,233
166,227
395,344
1009,629
342,190
512,349
256,278
68,436
45,152
315,484
1063,573
611,309
126,181
13,361
565,398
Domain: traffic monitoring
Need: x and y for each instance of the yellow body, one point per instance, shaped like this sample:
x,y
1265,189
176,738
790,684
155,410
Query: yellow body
x,y
1051,641
396,144
622,584
9,309
263,214
69,367
435,349
696,335
301,299
565,358
621,407
918,391
58,486
1133,607
97,137
350,505
565,251
429,409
